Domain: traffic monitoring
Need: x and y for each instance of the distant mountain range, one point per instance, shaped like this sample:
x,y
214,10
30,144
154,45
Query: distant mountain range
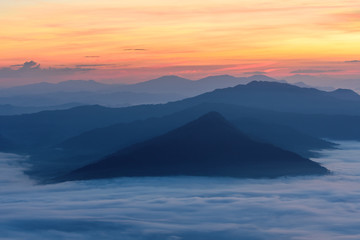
x,y
8,109
6,145
86,147
55,126
166,84
45,96
48,96
45,87
324,82
284,115
208,146
285,97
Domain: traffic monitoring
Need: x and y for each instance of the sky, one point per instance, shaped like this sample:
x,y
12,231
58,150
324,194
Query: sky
x,y
185,208
131,41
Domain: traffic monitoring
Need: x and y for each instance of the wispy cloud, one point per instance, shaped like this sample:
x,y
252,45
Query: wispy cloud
x,y
94,65
353,61
32,69
255,73
316,71
135,49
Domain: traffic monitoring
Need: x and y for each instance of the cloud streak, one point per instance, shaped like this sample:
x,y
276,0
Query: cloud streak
x,y
32,70
186,207
94,65
353,61
255,73
316,71
135,49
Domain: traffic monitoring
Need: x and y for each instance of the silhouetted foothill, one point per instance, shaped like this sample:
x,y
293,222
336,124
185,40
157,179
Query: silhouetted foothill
x,y
208,146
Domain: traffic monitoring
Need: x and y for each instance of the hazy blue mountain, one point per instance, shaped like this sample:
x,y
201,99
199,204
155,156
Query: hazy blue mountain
x,y
111,99
160,90
48,128
16,110
45,87
165,84
208,146
328,82
88,93
124,134
94,144
6,145
345,94
304,85
187,88
281,97
283,136
262,78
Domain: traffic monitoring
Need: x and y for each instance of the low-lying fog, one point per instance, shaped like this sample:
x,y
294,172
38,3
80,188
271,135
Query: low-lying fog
x,y
176,208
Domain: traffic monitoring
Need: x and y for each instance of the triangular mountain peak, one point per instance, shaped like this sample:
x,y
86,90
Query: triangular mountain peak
x,y
212,117
207,146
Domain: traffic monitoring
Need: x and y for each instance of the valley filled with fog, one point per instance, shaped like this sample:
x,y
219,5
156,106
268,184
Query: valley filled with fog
x,y
174,208
179,120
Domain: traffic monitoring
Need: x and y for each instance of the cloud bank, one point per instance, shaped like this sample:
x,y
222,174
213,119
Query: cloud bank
x,y
185,207
32,69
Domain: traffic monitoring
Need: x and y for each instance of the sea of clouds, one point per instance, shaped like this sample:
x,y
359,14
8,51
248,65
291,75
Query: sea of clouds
x,y
185,208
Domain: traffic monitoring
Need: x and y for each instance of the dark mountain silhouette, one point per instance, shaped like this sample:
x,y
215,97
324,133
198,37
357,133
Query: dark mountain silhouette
x,y
124,134
282,111
283,136
8,109
92,145
302,85
50,127
305,85
345,94
208,146
281,97
6,145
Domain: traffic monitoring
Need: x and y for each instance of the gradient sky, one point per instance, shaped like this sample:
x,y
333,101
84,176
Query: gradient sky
x,y
129,41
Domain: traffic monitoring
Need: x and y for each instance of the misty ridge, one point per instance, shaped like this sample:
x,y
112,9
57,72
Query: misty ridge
x,y
215,164
207,146
24,99
179,120
292,118
63,95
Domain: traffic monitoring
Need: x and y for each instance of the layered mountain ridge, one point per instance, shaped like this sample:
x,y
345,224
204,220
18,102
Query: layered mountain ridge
x,y
207,146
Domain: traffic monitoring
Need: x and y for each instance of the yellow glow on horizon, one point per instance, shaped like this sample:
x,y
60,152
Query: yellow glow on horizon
x,y
188,32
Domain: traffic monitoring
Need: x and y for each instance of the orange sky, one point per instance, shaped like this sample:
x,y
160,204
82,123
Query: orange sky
x,y
128,41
